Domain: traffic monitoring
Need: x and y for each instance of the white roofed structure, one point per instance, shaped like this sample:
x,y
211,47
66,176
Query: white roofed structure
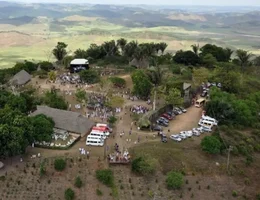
x,y
79,61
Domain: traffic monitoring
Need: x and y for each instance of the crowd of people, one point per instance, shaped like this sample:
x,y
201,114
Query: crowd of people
x,y
138,109
119,157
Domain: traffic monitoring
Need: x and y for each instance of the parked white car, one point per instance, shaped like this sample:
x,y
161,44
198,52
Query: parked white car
x,y
176,138
207,128
195,132
210,119
189,133
200,129
183,136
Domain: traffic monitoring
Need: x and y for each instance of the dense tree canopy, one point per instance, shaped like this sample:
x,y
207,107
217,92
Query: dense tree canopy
x,y
142,85
221,54
211,144
186,58
54,100
89,76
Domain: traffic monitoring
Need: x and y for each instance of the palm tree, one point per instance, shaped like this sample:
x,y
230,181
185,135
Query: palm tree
x,y
130,48
163,46
243,57
257,61
110,48
122,43
60,51
229,53
195,48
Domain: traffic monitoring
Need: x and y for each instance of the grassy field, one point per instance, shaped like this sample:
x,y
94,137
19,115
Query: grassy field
x,y
81,32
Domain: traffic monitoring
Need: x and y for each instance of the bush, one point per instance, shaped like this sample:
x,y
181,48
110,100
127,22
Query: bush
x,y
42,169
174,180
78,182
59,164
211,144
176,70
69,194
234,193
105,176
89,76
118,82
112,120
144,165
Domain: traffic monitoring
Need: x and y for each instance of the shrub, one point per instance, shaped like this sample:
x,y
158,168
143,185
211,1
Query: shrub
x,y
144,165
234,193
99,192
174,180
258,196
176,69
69,194
59,164
105,176
42,169
118,82
211,144
78,182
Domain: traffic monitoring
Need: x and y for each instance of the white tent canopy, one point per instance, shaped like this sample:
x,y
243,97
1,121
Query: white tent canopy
x,y
80,61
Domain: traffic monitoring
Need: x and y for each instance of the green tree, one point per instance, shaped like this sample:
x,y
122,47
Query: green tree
x,y
115,102
42,128
243,58
256,61
211,144
78,182
110,48
130,49
80,53
162,46
174,97
96,52
53,100
122,43
69,194
52,76
89,76
118,82
209,60
67,60
112,120
221,54
144,165
142,85
195,48
60,51
106,177
59,164
46,66
200,75
174,180
81,95
186,58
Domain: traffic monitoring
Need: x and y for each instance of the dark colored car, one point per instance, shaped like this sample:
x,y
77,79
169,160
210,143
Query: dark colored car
x,y
171,114
164,119
162,122
164,138
157,128
165,115
182,109
204,94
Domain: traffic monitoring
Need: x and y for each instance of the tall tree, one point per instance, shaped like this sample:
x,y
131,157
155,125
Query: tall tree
x,y
256,61
174,97
130,49
80,53
110,48
163,46
60,51
195,48
122,43
209,60
243,57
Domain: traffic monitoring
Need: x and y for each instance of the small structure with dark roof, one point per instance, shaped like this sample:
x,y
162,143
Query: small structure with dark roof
x,y
21,78
66,120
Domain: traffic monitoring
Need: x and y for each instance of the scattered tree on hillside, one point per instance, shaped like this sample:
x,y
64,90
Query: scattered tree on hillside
x,y
256,61
52,76
89,76
130,50
81,95
162,47
142,85
243,58
122,43
211,144
144,165
60,51
174,180
53,100
221,54
195,48
46,66
174,97
42,128
66,61
200,75
110,48
209,60
80,53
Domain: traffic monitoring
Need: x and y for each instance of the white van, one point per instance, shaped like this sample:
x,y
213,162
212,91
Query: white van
x,y
203,122
210,119
199,103
207,128
98,134
94,142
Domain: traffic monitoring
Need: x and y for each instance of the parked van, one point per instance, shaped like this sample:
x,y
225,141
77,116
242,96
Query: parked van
x,y
101,129
98,134
106,126
91,141
199,103
203,122
207,128
93,137
210,119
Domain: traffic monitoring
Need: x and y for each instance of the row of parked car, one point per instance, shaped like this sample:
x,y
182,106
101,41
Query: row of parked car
x,y
206,123
168,116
